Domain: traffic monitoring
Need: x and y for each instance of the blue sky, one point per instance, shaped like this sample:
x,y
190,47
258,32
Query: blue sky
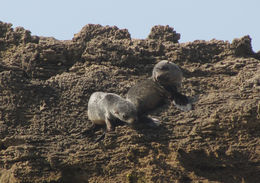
x,y
193,19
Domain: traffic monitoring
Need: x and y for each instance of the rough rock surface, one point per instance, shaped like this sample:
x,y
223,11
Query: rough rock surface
x,y
45,85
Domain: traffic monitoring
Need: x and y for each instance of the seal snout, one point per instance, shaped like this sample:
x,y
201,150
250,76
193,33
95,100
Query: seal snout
x,y
132,120
161,77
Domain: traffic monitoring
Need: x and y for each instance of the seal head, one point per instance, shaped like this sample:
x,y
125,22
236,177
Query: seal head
x,y
167,74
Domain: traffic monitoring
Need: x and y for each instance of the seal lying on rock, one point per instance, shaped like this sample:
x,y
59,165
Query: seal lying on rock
x,y
105,108
152,92
167,74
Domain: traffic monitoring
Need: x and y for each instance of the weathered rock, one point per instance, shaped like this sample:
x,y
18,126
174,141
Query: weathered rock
x,y
45,85
164,33
242,47
198,51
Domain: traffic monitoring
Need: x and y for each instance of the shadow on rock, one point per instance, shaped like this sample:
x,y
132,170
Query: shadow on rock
x,y
219,166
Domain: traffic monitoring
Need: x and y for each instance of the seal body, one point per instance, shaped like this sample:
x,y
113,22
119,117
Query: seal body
x,y
147,95
163,85
105,108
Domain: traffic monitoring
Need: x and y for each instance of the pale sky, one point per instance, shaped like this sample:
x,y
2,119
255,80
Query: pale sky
x,y
193,19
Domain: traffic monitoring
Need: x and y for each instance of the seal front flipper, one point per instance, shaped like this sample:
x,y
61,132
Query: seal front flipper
x,y
109,128
109,124
182,102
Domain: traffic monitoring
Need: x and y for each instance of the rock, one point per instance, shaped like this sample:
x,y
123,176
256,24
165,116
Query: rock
x,y
164,33
242,47
45,85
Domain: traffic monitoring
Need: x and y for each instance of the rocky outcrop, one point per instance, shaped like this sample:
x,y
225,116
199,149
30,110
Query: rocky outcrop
x,y
164,33
45,85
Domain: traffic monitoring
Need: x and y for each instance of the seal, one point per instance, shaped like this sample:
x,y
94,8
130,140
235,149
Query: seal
x,y
167,74
153,92
106,108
